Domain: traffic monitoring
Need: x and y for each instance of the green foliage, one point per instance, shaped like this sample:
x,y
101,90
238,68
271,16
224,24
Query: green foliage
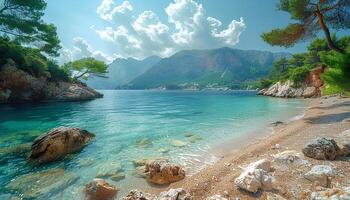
x,y
299,65
22,21
84,67
30,60
311,17
264,83
337,75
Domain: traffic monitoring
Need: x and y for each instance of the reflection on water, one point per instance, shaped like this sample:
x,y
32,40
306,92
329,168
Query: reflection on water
x,y
180,125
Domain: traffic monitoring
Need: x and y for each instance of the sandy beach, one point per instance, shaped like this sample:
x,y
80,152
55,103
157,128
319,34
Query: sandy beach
x,y
325,117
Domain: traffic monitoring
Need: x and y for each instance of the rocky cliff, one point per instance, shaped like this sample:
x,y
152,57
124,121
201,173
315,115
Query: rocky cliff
x,y
19,86
311,87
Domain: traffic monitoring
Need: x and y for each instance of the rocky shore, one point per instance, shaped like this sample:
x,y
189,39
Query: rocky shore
x,y
310,88
17,86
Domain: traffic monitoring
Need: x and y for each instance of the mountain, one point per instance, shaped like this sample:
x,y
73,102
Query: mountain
x,y
208,68
122,71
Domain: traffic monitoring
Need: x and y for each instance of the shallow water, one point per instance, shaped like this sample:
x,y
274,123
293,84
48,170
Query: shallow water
x,y
131,125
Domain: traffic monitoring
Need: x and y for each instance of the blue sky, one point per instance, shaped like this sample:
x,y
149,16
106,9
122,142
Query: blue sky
x,y
107,29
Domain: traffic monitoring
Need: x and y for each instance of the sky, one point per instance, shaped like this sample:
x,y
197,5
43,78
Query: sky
x,y
107,29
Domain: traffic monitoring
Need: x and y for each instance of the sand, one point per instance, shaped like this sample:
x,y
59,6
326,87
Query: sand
x,y
326,116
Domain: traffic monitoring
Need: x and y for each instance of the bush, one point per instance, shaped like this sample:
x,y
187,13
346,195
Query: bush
x,y
337,75
298,74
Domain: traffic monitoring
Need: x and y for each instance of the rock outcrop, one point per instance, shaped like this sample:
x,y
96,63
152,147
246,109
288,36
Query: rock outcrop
x,y
163,172
99,189
311,87
19,86
322,149
256,177
57,143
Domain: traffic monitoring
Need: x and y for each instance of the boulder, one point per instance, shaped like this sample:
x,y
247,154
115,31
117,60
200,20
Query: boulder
x,y
175,194
57,143
138,195
321,174
117,177
271,91
334,193
284,90
253,180
310,92
99,189
41,185
344,150
163,172
256,177
322,149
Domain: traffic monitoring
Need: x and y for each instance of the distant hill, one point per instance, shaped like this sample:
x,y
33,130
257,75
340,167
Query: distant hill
x,y
208,68
122,71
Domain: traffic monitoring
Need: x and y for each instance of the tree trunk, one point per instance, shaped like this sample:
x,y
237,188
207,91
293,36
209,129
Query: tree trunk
x,y
81,75
325,29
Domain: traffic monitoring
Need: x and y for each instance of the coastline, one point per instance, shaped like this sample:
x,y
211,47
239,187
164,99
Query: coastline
x,y
325,116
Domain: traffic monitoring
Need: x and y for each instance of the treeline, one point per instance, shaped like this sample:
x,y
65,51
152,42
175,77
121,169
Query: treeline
x,y
297,67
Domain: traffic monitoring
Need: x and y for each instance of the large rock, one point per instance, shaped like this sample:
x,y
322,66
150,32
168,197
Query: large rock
x,y
175,194
163,172
321,174
57,143
41,185
256,177
138,195
332,194
321,149
99,189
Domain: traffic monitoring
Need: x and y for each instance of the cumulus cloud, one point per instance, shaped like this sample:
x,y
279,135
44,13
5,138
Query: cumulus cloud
x,y
82,49
188,27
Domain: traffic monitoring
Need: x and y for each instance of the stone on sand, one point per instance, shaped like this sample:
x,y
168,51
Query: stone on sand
x,y
175,194
333,193
163,172
322,149
99,189
321,173
138,195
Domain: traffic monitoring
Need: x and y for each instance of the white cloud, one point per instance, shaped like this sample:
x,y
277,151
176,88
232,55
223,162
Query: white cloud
x,y
82,49
143,35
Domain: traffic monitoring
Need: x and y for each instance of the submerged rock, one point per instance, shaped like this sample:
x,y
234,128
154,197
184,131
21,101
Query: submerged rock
x,y
163,150
144,143
321,149
178,143
118,177
194,138
41,185
57,143
163,172
17,149
321,174
144,161
256,177
108,169
175,194
99,189
138,195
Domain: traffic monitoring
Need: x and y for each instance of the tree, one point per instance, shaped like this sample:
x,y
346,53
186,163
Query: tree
x,y
21,20
84,67
312,16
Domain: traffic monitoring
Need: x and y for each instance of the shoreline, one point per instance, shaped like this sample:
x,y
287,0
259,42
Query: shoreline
x,y
324,116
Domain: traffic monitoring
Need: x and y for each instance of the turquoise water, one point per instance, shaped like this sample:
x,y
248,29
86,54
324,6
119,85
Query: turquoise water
x,y
131,125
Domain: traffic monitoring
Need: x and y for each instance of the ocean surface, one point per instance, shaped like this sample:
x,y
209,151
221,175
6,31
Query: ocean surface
x,y
182,126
